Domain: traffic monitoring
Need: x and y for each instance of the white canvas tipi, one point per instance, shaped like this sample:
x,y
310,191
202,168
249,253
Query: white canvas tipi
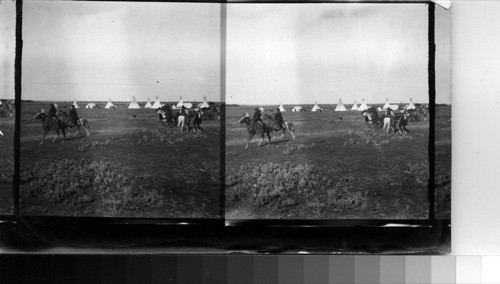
x,y
363,106
340,106
180,103
316,107
204,104
90,105
354,106
110,104
410,105
133,104
75,104
262,109
297,109
387,105
282,109
157,104
148,104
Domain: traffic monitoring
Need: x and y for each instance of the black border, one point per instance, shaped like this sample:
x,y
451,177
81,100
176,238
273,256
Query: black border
x,y
37,233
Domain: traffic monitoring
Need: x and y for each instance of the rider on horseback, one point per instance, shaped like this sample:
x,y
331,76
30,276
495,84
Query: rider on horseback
x,y
278,118
53,113
183,111
257,116
389,113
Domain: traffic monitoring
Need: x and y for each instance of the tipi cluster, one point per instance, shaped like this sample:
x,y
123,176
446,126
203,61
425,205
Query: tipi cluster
x,y
149,104
341,107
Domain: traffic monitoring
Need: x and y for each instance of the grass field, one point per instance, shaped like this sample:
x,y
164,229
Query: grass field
x,y
6,164
127,167
335,169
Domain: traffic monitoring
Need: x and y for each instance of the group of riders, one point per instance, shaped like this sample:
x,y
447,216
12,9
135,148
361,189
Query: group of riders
x,y
278,119
74,120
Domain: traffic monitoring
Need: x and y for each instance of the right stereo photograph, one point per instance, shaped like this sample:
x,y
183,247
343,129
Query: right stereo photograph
x,y
338,112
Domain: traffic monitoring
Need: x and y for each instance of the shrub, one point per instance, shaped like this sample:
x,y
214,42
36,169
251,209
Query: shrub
x,y
279,186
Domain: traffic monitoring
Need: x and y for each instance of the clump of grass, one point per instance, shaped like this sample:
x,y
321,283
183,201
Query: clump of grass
x,y
169,135
84,147
279,186
77,183
6,169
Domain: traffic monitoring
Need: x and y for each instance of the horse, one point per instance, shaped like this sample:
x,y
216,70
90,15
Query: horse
x,y
389,123
371,117
403,121
256,127
198,117
51,124
182,120
165,115
66,119
287,125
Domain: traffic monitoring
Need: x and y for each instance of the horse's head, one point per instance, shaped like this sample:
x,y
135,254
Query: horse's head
x,y
245,119
40,115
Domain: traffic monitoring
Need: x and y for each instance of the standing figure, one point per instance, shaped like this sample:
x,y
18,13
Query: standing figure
x,y
74,116
278,119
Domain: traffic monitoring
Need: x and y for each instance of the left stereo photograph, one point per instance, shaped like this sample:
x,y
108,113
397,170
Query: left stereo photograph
x,y
7,112
121,110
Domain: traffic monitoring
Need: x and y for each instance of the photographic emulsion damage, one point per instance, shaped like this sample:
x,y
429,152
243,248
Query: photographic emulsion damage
x,y
332,112
120,110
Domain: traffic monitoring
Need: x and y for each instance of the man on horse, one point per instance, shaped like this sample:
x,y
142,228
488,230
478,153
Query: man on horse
x,y
257,116
278,120
53,113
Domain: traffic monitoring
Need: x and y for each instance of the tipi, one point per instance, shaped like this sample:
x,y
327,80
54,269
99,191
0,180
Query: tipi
x,y
157,104
204,104
316,107
340,106
133,104
262,109
354,106
363,106
75,104
110,104
387,105
180,103
410,105
90,105
297,109
282,109
148,104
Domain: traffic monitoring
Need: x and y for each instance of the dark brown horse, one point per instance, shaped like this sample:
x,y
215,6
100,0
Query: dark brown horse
x,y
66,119
287,125
256,128
51,124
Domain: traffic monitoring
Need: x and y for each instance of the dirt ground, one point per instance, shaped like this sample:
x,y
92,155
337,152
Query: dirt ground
x,y
384,175
129,166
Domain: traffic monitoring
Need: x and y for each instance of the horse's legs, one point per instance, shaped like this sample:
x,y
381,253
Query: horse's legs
x,y
293,135
77,130
268,137
250,135
45,134
282,134
261,139
57,136
86,130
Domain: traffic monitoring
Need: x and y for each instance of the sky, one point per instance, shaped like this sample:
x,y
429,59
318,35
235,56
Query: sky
x,y
303,53
92,51
7,48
